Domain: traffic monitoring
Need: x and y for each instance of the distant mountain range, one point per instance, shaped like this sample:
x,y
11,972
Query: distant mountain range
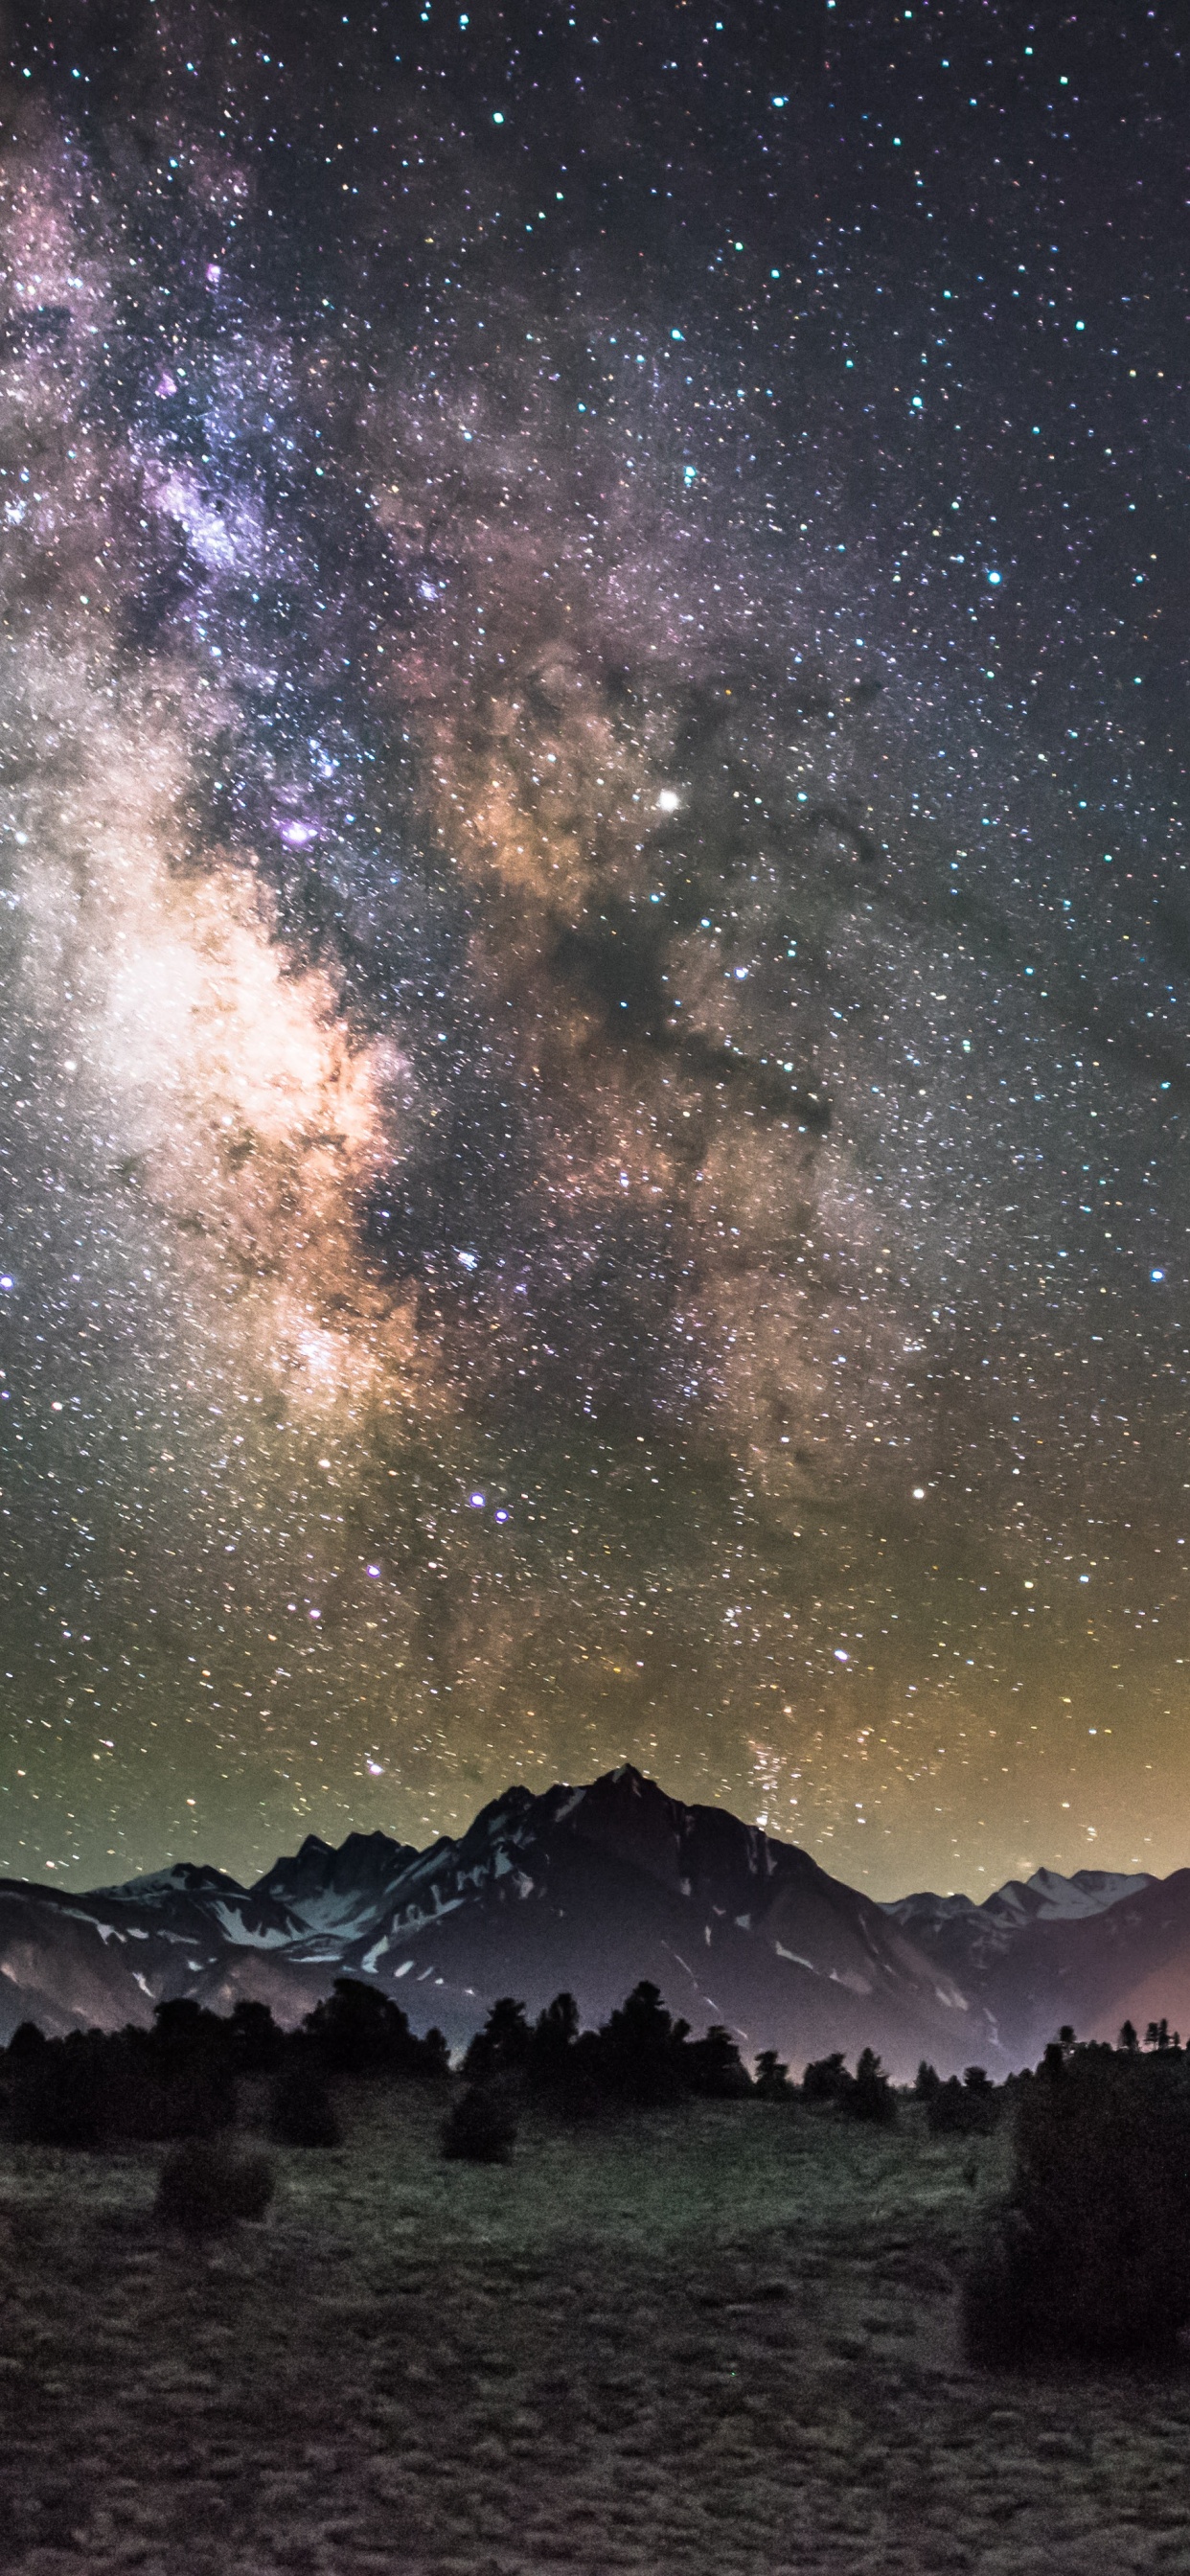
x,y
592,1889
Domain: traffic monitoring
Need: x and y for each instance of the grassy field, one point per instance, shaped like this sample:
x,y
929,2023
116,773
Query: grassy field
x,y
711,2341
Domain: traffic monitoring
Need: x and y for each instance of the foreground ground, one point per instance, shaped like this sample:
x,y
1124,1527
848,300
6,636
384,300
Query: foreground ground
x,y
715,2341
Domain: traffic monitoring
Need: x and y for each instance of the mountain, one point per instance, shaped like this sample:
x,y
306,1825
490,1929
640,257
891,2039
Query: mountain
x,y
594,1888
966,1938
591,1889
339,1891
1045,1896
1094,1950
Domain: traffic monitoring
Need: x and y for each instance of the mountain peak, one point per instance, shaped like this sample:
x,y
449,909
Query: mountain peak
x,y
182,1878
1089,1891
590,1888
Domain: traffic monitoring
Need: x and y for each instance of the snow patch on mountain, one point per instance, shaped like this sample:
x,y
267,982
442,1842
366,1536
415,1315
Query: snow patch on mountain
x,y
619,1875
342,1911
247,1936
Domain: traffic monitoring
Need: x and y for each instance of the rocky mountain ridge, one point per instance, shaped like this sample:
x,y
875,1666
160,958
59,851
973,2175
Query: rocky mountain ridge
x,y
592,1888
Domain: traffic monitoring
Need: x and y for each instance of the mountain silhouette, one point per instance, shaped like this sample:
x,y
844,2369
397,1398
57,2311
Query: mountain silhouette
x,y
591,1889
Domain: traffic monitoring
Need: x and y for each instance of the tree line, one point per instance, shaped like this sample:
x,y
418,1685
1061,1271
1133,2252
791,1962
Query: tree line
x,y
179,2078
1084,2248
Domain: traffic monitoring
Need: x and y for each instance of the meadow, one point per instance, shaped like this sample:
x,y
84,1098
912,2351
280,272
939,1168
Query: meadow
x,y
715,2340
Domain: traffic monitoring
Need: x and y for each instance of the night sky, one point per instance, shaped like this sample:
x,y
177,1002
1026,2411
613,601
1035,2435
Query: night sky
x,y
594,926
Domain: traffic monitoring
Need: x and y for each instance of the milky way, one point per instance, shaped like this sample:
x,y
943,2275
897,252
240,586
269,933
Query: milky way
x,y
594,935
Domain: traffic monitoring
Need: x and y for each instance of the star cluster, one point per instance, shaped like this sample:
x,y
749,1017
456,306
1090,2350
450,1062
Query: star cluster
x,y
594,929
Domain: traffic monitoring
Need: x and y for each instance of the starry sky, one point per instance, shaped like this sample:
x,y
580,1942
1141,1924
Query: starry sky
x,y
594,925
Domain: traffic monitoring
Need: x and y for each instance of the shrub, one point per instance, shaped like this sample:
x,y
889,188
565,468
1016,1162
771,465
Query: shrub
x,y
772,2078
301,2111
1091,2253
480,2128
204,2188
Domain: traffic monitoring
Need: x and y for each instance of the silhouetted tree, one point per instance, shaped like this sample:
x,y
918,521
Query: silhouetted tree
x,y
712,2066
481,2127
554,2034
827,2079
27,2041
183,2029
1129,2040
1091,2252
177,2080
966,2110
174,2081
359,2031
772,2078
435,2054
927,2081
503,2047
257,2045
581,2089
640,2049
63,2094
871,2096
